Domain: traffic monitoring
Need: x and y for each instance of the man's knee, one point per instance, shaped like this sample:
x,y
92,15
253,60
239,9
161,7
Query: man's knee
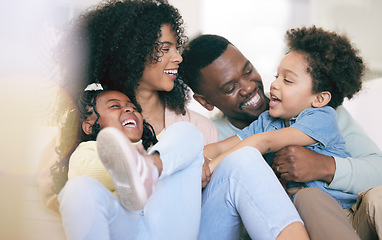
x,y
372,200
308,197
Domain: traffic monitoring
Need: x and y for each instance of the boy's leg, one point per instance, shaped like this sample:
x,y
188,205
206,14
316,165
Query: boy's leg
x,y
324,218
366,214
243,188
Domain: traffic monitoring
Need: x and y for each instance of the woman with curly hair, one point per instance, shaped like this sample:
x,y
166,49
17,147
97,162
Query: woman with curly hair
x,y
130,46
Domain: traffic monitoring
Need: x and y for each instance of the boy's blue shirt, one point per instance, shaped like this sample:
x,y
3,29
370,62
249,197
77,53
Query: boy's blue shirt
x,y
321,125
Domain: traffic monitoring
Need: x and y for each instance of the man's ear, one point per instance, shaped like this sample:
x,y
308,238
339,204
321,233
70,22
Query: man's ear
x,y
87,127
322,99
203,101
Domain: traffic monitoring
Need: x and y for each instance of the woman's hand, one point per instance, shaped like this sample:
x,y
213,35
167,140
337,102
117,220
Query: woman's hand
x,y
206,173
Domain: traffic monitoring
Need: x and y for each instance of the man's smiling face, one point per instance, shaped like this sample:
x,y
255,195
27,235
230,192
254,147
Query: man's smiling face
x,y
232,84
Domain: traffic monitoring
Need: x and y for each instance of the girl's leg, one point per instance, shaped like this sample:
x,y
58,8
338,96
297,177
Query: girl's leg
x,y
91,211
244,188
173,210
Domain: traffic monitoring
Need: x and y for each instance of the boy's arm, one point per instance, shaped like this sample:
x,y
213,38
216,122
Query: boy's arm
x,y
265,142
352,174
213,150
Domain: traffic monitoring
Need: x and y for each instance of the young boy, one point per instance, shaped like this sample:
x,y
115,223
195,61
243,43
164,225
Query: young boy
x,y
319,71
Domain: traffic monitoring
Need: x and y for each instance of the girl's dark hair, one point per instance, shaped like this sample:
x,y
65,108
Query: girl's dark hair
x,y
334,63
86,105
111,44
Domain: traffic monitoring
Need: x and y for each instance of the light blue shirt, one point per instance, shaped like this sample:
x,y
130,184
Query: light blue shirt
x,y
353,174
321,125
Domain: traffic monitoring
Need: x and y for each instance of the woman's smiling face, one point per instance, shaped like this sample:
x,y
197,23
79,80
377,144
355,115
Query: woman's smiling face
x,y
160,75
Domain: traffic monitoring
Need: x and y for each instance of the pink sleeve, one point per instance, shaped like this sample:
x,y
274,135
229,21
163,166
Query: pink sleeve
x,y
205,125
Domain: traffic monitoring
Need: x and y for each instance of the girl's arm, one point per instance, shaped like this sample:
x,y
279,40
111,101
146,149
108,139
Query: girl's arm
x,y
265,142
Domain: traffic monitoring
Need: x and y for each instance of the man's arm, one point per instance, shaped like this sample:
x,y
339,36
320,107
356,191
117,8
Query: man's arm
x,y
352,174
364,169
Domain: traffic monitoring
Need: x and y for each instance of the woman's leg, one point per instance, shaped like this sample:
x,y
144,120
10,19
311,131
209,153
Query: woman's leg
x,y
173,210
91,211
244,188
178,147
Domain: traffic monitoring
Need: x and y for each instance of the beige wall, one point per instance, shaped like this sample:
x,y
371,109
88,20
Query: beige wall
x,y
361,20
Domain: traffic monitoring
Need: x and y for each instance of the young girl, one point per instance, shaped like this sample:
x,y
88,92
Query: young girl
x,y
110,118
100,109
319,71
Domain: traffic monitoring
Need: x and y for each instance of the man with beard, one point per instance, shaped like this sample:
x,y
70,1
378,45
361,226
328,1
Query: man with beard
x,y
220,76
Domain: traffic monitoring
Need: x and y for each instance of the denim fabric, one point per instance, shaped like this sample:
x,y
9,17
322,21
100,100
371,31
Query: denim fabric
x,y
321,125
244,190
91,211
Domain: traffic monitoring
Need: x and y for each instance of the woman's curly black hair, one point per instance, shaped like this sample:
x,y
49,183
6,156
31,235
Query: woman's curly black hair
x,y
117,39
111,44
334,63
198,54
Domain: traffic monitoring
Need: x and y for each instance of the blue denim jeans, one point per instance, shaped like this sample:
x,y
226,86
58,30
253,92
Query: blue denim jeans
x,y
244,190
91,211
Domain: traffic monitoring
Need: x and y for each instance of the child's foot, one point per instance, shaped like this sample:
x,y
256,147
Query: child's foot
x,y
131,170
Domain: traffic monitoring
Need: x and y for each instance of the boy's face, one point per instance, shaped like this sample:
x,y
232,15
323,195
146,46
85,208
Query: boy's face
x,y
116,110
232,84
291,91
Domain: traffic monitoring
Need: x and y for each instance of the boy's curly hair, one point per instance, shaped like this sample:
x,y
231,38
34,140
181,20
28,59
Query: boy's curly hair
x,y
334,63
117,39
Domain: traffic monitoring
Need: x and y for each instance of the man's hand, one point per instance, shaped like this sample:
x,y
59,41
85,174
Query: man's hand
x,y
206,173
300,164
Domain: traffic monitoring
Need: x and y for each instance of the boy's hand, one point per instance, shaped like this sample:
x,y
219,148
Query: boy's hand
x,y
206,173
